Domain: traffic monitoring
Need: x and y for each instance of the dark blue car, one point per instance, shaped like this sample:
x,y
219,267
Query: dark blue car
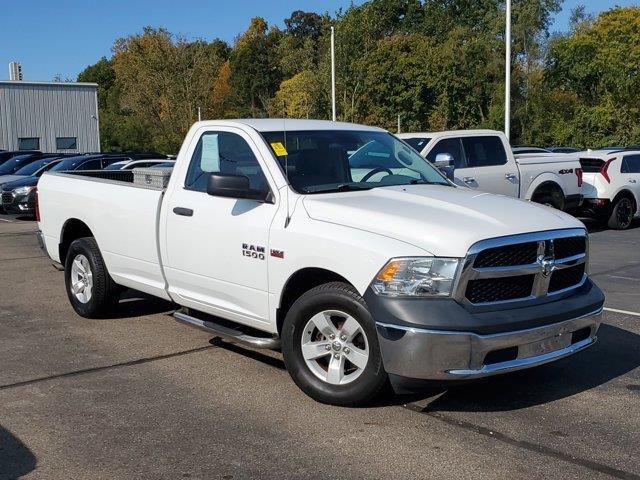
x,y
19,196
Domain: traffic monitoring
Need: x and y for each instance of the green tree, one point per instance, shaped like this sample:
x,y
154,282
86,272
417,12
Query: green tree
x,y
598,63
255,73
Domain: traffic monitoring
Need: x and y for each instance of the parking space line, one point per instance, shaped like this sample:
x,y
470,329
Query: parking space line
x,y
20,258
138,361
625,312
5,220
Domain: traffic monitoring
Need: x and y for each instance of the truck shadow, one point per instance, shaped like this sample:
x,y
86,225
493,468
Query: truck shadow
x,y
16,459
615,354
595,226
137,304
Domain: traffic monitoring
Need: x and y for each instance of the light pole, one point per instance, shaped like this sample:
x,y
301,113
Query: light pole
x,y
333,74
507,74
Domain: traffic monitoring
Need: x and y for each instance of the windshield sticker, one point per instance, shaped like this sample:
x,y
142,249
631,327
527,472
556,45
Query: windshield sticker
x,y
279,149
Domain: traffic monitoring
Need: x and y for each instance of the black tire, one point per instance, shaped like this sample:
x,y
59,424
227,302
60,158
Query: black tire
x,y
344,298
622,214
552,198
104,293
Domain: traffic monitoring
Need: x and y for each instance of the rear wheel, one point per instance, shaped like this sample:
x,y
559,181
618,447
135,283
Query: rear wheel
x,y
91,290
622,214
552,198
330,346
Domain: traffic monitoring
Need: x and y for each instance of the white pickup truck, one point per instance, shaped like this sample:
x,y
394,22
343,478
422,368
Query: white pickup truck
x,y
263,236
483,160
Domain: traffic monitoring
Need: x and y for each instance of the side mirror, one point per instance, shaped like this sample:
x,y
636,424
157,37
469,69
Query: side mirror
x,y
444,159
234,186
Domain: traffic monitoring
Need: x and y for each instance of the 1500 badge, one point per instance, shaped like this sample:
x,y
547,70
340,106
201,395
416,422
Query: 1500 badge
x,y
253,251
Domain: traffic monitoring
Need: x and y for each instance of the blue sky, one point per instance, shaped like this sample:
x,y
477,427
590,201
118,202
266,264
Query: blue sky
x,y
64,36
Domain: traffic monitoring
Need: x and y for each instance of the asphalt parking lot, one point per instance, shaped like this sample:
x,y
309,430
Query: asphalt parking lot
x,y
140,396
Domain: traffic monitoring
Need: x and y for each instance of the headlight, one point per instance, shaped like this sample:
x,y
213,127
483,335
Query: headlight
x,y
417,276
23,190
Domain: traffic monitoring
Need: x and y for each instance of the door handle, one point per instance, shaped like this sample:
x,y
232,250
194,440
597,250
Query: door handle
x,y
510,176
185,212
633,181
468,179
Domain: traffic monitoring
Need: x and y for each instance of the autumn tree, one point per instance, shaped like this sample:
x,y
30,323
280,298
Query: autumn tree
x,y
163,80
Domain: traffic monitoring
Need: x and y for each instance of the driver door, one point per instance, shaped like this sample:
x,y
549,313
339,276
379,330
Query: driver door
x,y
217,247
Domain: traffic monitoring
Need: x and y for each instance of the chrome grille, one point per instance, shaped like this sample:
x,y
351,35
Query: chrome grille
x,y
523,268
7,197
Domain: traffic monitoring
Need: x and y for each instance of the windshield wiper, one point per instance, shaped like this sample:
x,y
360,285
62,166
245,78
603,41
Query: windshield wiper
x,y
424,182
345,187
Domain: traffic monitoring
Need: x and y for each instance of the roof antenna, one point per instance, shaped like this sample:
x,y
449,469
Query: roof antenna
x,y
286,164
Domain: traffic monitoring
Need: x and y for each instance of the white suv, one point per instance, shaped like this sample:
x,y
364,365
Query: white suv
x,y
611,186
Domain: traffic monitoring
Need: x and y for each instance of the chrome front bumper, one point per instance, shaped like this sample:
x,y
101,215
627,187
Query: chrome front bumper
x,y
447,355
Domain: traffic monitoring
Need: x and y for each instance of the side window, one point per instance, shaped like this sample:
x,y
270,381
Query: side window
x,y
90,165
28,143
417,144
484,151
227,154
105,162
630,164
66,143
453,147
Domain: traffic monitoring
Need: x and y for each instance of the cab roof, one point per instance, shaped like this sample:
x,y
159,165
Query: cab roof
x,y
468,133
291,125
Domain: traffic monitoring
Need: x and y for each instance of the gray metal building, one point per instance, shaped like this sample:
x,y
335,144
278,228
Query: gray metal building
x,y
49,116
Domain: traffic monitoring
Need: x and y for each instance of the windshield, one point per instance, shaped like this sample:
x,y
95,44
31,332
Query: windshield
x,y
341,160
68,164
417,143
33,167
16,163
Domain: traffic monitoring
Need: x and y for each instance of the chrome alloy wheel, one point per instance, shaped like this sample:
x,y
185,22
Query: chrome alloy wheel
x,y
335,347
81,279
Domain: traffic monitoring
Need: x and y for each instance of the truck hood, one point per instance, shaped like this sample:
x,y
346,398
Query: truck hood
x,y
444,221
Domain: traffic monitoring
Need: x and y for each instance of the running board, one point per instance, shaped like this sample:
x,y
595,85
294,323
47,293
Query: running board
x,y
227,333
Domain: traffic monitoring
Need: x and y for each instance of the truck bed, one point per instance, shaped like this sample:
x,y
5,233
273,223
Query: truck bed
x,y
123,217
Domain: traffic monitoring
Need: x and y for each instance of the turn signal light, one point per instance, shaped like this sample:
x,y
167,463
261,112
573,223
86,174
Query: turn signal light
x,y
390,270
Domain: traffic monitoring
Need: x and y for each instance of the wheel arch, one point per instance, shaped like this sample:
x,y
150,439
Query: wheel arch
x,y
543,180
72,229
624,192
544,187
302,281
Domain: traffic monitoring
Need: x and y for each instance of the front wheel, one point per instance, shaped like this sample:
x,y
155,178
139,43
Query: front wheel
x,y
621,214
91,290
330,346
